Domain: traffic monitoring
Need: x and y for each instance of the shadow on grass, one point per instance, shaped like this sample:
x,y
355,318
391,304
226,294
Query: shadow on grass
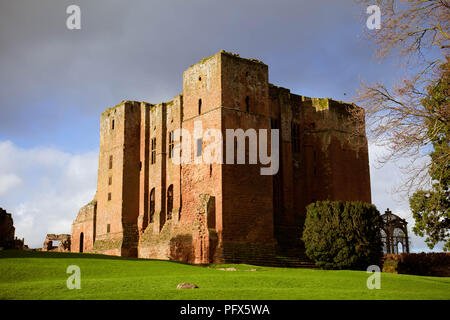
x,y
13,254
49,254
72,255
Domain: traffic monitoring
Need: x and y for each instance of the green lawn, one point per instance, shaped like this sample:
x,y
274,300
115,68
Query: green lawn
x,y
42,275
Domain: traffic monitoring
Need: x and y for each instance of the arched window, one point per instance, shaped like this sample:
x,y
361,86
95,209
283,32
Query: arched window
x,y
384,240
400,248
153,151
171,143
199,106
152,206
169,202
295,137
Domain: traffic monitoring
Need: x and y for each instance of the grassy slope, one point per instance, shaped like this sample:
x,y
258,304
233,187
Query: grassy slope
x,y
41,275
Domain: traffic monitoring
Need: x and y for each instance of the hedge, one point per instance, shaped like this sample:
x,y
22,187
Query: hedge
x,y
343,235
422,264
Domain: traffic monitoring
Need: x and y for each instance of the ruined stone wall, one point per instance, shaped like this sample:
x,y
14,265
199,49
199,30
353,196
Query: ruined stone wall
x,y
350,157
335,159
155,239
63,245
84,227
190,242
287,225
118,180
144,191
157,170
247,206
221,212
242,78
329,164
173,170
201,82
131,179
110,181
6,230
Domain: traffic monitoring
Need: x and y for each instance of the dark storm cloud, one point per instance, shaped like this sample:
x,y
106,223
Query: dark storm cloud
x,y
55,82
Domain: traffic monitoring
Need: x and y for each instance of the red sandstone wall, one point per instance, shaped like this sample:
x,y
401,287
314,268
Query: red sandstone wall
x,y
7,230
327,166
201,81
282,109
144,192
173,170
131,175
218,210
121,212
247,195
110,211
335,166
155,240
84,223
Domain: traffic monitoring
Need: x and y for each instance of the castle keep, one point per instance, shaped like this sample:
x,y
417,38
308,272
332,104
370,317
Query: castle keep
x,y
147,206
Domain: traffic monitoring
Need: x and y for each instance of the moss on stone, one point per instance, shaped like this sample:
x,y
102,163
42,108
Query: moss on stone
x,y
229,54
101,245
112,108
320,103
204,60
235,55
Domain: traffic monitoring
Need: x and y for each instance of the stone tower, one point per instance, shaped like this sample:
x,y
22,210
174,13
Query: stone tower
x,y
149,206
118,180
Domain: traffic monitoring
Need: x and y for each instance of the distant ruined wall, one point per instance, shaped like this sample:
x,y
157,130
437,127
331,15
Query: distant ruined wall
x,y
6,230
63,245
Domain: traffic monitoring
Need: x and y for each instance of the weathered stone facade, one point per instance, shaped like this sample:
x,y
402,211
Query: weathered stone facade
x,y
7,231
149,207
83,228
63,245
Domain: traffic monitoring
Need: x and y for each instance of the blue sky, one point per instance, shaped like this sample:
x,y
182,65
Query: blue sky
x,y
55,82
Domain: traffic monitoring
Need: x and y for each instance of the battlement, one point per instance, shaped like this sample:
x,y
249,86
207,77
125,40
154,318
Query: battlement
x,y
231,55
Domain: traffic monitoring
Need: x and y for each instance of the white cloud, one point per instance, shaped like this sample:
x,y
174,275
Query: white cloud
x,y
44,188
8,181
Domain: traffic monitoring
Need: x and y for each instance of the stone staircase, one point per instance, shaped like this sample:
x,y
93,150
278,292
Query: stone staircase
x,y
285,258
276,261
294,257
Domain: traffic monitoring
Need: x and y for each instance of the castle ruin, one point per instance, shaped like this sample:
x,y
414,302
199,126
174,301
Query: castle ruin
x,y
149,207
8,240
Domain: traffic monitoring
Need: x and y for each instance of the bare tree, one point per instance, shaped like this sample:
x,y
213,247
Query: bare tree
x,y
417,32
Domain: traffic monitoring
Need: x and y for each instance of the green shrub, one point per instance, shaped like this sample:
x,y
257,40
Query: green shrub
x,y
343,235
421,264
